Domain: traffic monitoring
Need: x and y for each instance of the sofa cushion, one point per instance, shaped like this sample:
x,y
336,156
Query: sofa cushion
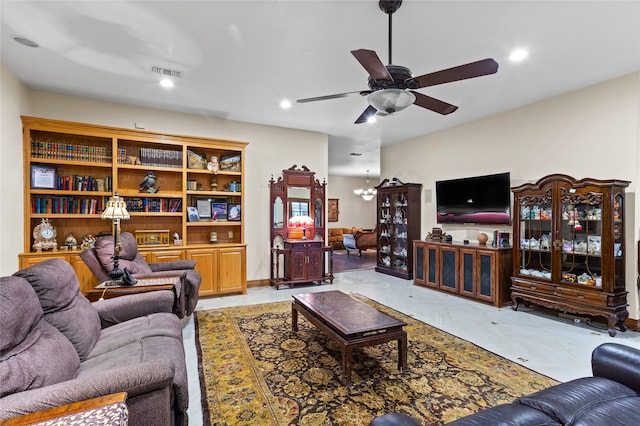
x,y
58,290
20,311
104,253
141,350
122,334
33,353
568,400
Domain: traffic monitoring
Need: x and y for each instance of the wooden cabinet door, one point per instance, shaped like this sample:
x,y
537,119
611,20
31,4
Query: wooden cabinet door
x,y
468,276
27,261
206,264
314,262
231,270
486,276
449,269
166,256
419,269
432,262
297,267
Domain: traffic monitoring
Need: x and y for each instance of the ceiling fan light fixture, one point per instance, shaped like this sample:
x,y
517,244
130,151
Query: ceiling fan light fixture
x,y
390,101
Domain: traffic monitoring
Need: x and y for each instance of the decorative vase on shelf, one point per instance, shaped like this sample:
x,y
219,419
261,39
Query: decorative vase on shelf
x,y
483,238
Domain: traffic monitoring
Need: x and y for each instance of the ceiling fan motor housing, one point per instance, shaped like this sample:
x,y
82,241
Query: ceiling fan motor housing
x,y
402,79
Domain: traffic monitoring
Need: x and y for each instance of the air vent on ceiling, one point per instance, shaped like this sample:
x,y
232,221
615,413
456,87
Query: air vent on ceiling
x,y
166,72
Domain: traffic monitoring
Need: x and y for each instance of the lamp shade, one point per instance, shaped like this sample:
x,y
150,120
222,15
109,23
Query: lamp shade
x,y
300,221
391,100
116,209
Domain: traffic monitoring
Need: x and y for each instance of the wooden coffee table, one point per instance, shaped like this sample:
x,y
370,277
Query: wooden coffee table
x,y
351,323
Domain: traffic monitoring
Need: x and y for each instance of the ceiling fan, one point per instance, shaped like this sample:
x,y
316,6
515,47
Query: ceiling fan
x,y
392,87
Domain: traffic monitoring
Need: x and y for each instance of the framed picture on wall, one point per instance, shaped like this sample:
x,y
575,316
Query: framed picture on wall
x,y
333,210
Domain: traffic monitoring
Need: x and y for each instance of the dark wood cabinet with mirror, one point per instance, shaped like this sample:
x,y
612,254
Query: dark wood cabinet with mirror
x,y
568,251
298,250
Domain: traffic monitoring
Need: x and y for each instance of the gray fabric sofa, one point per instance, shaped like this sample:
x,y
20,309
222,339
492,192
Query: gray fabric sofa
x,y
99,259
57,348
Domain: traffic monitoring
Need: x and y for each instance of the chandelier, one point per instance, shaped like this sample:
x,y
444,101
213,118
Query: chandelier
x,y
366,194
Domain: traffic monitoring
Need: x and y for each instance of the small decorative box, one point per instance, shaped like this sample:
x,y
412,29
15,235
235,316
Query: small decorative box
x,y
153,237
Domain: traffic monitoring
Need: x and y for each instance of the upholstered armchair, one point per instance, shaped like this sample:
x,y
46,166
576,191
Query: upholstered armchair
x,y
58,348
100,261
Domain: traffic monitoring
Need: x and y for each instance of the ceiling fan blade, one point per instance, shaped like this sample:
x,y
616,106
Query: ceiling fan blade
x,y
462,72
365,115
371,62
433,104
337,95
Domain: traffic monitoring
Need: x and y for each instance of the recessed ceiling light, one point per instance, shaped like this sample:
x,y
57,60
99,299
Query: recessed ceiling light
x,y
285,104
25,41
518,55
167,83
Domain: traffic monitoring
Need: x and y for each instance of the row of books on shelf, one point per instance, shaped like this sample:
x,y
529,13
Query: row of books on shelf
x,y
61,151
60,205
84,183
152,157
153,205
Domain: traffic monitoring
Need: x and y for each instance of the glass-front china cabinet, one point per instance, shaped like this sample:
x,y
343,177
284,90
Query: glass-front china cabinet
x,y
569,247
398,215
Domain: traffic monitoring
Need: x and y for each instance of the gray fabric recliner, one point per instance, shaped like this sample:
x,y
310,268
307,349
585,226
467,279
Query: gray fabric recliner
x,y
57,348
100,262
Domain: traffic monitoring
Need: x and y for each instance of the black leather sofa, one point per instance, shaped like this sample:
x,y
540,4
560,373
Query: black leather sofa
x,y
611,397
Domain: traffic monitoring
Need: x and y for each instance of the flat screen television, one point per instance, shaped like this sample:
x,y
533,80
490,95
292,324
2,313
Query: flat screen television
x,y
478,200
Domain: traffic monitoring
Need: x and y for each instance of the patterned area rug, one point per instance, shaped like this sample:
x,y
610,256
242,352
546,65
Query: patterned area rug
x,y
255,371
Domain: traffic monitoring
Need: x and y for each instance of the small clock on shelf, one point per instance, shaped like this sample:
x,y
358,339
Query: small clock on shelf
x,y
44,236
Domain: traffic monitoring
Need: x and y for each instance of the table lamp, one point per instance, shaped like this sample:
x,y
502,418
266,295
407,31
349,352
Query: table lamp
x,y
303,222
116,210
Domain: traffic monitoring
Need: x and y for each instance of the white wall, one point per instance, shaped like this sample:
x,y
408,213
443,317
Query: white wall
x,y
593,132
353,211
270,150
14,102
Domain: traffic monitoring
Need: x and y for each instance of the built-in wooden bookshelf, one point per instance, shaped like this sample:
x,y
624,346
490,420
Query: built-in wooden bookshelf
x,y
72,169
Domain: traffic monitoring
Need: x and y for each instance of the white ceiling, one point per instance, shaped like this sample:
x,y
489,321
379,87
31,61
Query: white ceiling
x,y
239,59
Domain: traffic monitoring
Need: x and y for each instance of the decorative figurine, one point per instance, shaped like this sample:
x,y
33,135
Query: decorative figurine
x,y
71,242
213,237
148,182
214,183
213,165
87,241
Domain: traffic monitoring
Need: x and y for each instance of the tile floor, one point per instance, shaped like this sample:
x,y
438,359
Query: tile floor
x,y
553,346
